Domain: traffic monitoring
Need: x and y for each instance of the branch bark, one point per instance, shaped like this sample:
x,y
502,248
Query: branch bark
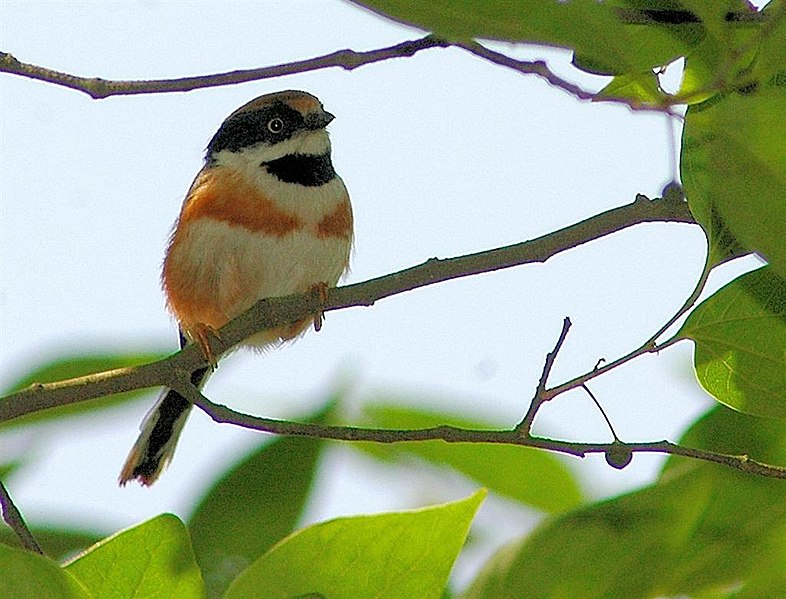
x,y
13,518
525,426
348,59
99,88
174,371
271,312
451,434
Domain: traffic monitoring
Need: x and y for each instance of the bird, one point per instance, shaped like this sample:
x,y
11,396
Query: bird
x,y
266,216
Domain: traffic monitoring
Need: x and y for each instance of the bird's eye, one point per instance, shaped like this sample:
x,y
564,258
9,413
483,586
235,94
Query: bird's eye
x,y
275,125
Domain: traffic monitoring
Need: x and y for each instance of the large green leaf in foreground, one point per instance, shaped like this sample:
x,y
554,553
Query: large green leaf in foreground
x,y
153,559
254,505
58,542
614,37
404,555
25,574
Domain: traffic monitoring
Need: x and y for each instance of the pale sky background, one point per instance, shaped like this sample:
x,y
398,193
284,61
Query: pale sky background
x,y
443,154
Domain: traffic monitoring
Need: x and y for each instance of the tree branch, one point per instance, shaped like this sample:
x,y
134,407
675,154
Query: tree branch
x,y
650,345
271,312
174,371
526,67
98,88
451,434
16,522
541,69
348,59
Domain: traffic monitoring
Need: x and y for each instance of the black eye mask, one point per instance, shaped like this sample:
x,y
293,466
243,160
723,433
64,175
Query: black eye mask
x,y
251,128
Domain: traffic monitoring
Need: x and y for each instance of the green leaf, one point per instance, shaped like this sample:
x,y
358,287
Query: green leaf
x,y
640,88
399,555
26,574
771,59
713,12
703,530
722,60
734,171
8,468
152,559
727,431
532,477
608,37
740,336
752,515
254,505
75,366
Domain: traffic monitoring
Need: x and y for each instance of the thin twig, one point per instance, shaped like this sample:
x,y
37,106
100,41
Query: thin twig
x,y
649,346
272,312
602,411
99,88
452,434
541,69
526,67
13,517
539,398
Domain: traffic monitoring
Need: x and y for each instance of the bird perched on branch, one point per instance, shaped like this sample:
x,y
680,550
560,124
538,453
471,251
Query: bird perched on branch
x,y
266,216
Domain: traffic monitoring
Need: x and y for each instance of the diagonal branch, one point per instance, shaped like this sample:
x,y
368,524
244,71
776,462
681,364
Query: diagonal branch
x,y
98,88
541,69
15,521
268,313
525,426
526,67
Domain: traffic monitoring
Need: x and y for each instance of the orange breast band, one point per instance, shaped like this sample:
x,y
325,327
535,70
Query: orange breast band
x,y
226,196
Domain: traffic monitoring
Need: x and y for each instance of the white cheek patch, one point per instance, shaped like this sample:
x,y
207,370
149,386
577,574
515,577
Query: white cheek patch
x,y
314,143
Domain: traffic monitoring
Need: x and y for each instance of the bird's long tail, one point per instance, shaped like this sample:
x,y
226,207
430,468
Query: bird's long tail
x,y
161,428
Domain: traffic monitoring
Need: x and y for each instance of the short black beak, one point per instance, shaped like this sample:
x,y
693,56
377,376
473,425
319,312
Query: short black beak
x,y
318,120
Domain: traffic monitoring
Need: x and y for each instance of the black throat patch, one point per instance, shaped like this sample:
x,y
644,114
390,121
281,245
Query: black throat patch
x,y
302,169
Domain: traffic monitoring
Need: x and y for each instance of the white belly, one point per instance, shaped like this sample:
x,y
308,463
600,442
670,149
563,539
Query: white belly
x,y
267,266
